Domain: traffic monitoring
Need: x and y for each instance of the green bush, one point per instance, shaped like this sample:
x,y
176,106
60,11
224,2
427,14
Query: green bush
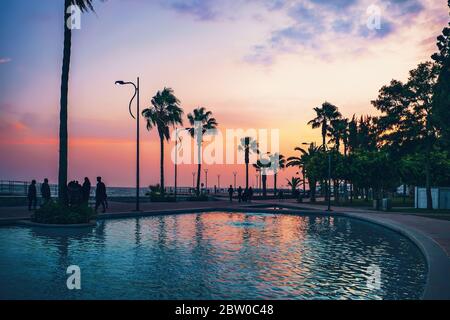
x,y
57,213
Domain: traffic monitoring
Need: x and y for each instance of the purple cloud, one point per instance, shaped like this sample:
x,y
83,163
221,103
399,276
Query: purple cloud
x,y
5,60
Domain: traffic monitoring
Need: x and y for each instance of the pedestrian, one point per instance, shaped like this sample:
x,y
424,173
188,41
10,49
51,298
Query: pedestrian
x,y
86,190
100,195
250,194
32,195
239,191
230,193
45,191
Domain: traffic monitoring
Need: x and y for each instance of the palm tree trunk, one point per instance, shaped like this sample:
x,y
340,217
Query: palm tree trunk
x,y
275,184
161,143
199,168
246,176
304,181
63,132
264,185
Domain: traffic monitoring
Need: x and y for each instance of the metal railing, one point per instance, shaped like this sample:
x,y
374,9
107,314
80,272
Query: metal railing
x,y
20,188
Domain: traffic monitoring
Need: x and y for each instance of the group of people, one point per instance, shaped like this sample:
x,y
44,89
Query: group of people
x,y
243,195
77,193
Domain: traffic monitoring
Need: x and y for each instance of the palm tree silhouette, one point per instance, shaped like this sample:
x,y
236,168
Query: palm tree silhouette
x,y
249,146
164,113
305,160
324,115
277,163
263,164
299,162
294,183
84,6
207,122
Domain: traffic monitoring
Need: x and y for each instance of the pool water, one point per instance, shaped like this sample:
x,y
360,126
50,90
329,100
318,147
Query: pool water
x,y
213,255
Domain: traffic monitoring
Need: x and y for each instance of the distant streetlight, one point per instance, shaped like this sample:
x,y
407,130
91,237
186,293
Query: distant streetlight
x,y
193,179
136,93
234,174
206,179
218,181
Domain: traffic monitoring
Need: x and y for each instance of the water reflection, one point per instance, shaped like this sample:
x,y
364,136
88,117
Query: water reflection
x,y
212,256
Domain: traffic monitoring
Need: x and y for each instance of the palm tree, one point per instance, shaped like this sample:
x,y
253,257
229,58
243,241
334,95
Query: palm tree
x,y
84,6
164,113
307,162
207,122
293,183
263,164
277,163
249,146
324,116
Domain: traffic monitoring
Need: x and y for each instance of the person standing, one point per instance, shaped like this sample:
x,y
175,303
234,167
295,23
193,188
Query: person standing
x,y
100,194
230,193
32,195
239,191
45,191
250,194
86,190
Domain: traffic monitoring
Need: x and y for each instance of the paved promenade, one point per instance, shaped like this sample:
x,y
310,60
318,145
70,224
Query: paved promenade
x,y
438,230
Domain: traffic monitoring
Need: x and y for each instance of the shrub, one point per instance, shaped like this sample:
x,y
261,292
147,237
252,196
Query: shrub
x,y
157,195
57,213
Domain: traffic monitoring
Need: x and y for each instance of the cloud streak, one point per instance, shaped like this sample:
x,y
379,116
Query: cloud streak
x,y
5,60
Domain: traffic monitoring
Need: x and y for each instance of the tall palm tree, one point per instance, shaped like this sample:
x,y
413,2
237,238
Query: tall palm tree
x,y
249,146
324,115
84,6
164,113
207,122
277,162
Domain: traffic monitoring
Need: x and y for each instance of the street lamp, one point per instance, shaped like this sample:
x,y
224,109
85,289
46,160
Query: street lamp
x,y
206,179
234,174
136,93
218,181
193,179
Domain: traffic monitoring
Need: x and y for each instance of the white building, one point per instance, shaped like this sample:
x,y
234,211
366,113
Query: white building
x,y
440,198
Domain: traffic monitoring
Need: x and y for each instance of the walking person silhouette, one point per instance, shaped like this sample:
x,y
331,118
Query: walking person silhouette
x,y
32,195
100,195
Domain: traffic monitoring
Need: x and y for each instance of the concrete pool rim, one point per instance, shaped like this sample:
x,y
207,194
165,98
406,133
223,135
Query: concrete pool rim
x,y
437,285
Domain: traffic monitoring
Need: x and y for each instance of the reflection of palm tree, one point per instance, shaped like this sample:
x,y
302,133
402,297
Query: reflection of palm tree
x,y
83,5
249,146
277,163
207,122
164,112
324,115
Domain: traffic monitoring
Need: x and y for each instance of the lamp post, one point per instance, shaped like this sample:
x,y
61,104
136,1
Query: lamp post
x,y
234,174
206,179
193,179
177,139
218,181
136,94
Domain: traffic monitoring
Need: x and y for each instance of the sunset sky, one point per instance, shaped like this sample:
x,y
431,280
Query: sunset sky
x,y
254,63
